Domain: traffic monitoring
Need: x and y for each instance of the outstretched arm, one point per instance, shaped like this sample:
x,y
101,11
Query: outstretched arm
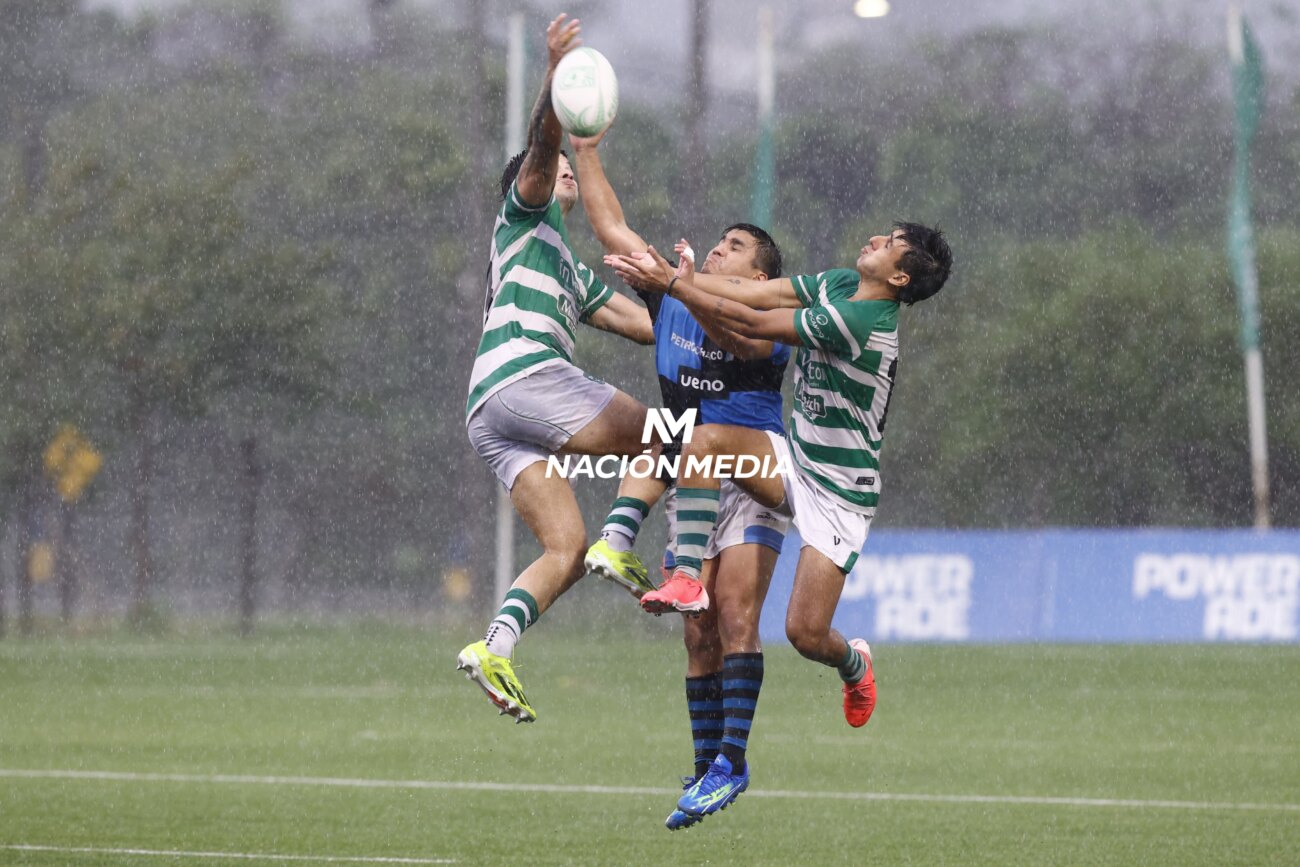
x,y
774,294
606,216
537,175
622,316
600,202
644,274
712,311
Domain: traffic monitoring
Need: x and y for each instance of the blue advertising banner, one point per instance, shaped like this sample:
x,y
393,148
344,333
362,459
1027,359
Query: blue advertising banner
x,y
1062,585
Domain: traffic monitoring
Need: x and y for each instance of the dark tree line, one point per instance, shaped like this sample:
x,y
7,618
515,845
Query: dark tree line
x,y
251,276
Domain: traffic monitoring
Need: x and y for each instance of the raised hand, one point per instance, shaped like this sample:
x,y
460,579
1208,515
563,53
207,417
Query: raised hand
x,y
647,272
562,37
587,142
685,260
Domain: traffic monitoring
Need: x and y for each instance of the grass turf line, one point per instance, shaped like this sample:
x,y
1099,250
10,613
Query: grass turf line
x,y
1172,723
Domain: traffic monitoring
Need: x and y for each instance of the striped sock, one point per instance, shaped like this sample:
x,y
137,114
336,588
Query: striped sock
x,y
704,701
742,678
697,515
624,522
852,667
518,612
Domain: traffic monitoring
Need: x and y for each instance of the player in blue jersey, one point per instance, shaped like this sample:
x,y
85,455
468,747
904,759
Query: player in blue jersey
x,y
727,379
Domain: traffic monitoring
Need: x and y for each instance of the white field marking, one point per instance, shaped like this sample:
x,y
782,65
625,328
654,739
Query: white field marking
x,y
241,856
555,789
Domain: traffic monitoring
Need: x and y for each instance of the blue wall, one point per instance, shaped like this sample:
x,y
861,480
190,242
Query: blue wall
x,y
1062,585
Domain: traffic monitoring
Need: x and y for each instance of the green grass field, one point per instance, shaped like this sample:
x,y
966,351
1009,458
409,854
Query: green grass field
x,y
1187,755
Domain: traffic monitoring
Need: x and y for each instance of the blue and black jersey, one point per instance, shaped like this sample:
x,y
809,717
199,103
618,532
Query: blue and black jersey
x,y
696,372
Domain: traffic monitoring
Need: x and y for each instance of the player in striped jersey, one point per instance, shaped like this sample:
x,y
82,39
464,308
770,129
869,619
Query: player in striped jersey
x,y
527,400
845,323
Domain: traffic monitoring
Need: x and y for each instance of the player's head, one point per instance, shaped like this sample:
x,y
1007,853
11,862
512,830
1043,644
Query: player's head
x,y
746,251
913,259
566,182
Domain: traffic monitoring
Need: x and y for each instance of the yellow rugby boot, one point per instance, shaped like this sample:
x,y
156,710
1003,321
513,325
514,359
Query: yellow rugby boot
x,y
624,568
497,679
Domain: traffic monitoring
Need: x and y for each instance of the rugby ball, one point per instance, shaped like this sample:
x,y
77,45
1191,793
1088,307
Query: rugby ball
x,y
584,92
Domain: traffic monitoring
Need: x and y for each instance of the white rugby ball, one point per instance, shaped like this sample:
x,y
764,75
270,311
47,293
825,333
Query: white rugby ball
x,y
584,92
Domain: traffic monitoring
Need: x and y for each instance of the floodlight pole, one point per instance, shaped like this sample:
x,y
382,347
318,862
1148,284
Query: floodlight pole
x,y
764,157
514,139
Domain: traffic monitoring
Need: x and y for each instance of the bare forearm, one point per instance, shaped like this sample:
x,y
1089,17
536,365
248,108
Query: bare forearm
x,y
715,313
762,294
741,347
603,208
544,130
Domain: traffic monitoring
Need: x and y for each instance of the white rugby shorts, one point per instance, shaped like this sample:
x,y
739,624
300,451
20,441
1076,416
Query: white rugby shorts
x,y
823,522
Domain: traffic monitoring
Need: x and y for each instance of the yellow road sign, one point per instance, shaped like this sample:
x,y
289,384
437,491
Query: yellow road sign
x,y
72,462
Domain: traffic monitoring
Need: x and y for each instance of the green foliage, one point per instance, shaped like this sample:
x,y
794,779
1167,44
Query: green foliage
x,y
290,242
1095,382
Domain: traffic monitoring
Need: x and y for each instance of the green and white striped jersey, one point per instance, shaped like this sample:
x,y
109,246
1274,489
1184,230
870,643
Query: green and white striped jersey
x,y
537,293
844,375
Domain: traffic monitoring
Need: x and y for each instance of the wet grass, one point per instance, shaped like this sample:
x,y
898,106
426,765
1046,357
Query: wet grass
x,y
1208,724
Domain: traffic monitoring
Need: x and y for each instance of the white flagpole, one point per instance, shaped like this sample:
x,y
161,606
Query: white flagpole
x,y
505,567
1241,244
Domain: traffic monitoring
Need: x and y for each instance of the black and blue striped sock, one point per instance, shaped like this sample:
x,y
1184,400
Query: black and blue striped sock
x,y
742,678
704,701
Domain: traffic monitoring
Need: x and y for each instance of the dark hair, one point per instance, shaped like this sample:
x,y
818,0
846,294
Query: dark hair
x,y
927,261
767,256
513,165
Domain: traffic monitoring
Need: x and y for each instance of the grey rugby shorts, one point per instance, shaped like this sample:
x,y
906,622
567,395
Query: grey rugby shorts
x,y
532,418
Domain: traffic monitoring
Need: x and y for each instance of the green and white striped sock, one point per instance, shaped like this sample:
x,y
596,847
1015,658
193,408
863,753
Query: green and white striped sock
x,y
624,522
852,667
518,612
697,516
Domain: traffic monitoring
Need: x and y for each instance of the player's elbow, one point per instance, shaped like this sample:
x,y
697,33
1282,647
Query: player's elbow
x,y
613,236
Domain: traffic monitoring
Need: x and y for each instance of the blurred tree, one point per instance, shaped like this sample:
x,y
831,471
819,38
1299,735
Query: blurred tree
x,y
1105,389
169,250
188,303
34,77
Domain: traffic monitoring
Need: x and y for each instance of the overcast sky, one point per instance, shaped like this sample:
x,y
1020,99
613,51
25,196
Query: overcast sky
x,y
649,40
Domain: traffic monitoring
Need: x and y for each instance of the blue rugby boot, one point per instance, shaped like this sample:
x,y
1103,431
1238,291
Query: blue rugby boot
x,y
715,790
677,819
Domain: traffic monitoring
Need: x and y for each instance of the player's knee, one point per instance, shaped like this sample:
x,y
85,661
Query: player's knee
x,y
700,638
738,629
569,551
804,639
705,440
